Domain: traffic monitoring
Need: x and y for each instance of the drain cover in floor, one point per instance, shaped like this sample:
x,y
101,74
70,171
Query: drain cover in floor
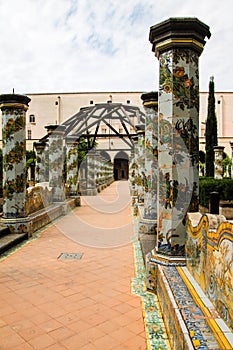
x,y
76,256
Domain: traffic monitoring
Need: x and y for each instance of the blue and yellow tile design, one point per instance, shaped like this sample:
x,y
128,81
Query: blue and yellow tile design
x,y
156,335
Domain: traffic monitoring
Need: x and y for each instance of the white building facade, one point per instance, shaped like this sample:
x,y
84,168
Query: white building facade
x,y
55,108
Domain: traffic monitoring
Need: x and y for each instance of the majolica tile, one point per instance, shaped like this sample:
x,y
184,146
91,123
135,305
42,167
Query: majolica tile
x,y
72,166
156,332
14,109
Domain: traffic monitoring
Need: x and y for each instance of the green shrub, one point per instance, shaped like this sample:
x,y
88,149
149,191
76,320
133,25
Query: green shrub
x,y
208,184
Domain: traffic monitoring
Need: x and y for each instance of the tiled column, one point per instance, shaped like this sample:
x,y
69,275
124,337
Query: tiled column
x,y
14,109
177,43
218,159
131,172
148,221
90,174
231,143
134,171
56,161
40,161
140,179
72,166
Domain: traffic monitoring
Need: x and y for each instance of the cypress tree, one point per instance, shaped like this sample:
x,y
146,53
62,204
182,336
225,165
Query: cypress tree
x,y
211,136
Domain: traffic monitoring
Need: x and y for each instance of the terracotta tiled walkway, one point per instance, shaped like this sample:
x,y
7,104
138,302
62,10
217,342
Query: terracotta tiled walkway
x,y
50,303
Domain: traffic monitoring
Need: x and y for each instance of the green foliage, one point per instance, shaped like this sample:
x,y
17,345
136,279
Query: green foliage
x,y
83,149
209,184
211,131
30,158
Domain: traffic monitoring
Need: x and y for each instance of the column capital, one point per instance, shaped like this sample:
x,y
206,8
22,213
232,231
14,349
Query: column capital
x,y
179,32
134,138
140,128
39,145
54,128
72,140
150,99
8,101
218,148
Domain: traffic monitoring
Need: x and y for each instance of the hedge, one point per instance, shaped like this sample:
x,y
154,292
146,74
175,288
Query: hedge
x,y
208,184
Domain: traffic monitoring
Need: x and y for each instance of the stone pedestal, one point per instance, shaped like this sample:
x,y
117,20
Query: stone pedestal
x,y
177,43
56,161
72,166
218,162
40,161
14,109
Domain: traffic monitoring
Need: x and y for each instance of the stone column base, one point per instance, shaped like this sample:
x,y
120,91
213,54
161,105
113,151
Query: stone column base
x,y
18,225
153,260
147,226
89,192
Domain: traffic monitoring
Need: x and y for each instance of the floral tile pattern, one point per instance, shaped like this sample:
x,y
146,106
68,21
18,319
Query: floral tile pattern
x,y
56,163
177,147
72,166
209,259
14,164
157,338
196,323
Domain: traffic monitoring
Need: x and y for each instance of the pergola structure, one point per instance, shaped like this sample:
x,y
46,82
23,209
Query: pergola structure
x,y
86,123
105,159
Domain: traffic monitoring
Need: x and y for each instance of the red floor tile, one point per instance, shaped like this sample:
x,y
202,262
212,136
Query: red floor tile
x,y
47,303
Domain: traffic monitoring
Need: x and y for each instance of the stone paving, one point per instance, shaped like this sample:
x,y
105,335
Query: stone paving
x,y
87,303
80,284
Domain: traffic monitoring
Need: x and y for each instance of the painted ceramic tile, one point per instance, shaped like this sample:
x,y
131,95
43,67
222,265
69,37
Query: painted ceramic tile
x,y
14,163
151,164
140,178
56,165
209,259
72,167
157,337
40,162
178,147
218,163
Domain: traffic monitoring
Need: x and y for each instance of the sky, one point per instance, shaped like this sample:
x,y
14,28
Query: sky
x,y
102,45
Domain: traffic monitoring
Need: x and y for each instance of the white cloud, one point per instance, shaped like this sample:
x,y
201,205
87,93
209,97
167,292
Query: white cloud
x,y
88,45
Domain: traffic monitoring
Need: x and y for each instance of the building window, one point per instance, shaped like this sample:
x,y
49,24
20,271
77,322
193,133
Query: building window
x,y
104,131
91,102
128,101
32,118
29,134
